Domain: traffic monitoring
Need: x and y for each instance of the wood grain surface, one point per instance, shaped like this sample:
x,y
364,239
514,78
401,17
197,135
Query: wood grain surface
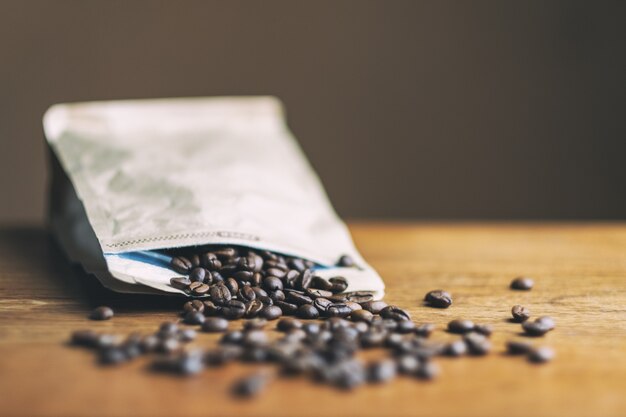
x,y
580,274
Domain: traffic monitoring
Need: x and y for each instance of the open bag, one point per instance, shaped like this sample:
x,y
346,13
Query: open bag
x,y
133,179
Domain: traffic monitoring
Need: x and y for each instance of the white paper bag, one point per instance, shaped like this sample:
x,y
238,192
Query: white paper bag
x,y
133,177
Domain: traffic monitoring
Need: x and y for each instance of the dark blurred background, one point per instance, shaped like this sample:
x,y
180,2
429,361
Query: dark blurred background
x,y
406,109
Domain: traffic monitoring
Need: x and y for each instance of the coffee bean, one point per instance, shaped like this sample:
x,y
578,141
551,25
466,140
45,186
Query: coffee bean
x,y
484,329
243,276
181,265
360,296
167,329
427,370
87,338
255,338
438,299
272,283
374,307
547,321
246,293
194,259
535,328
187,335
271,312
233,337
253,308
460,326
338,310
322,304
394,313
373,338
361,315
425,330
210,309
339,284
183,363
522,283
317,293
150,343
250,385
197,274
345,261
288,324
215,325
101,313
541,355
220,294
307,311
456,348
320,283
477,344
405,326
287,308
297,297
211,261
353,306
180,283
382,371
223,354
520,313
407,364
254,324
193,305
234,309
516,347
232,285
194,317
200,289
169,345
112,356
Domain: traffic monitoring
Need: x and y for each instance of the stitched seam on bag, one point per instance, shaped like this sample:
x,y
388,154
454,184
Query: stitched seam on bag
x,y
237,235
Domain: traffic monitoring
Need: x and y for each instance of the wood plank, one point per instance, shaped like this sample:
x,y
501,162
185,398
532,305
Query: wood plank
x,y
580,273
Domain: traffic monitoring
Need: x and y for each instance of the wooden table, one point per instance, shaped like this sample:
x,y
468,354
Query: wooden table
x,y
580,273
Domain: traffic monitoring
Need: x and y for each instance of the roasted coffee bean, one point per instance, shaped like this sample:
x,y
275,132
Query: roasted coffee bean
x,y
320,283
181,265
535,328
271,312
194,317
541,355
338,310
360,296
307,311
288,324
427,370
169,345
210,309
297,297
345,261
232,285
187,335
243,276
405,326
201,289
180,283
407,364
255,338
304,280
276,272
438,299
257,279
518,347
456,348
425,330
223,354
253,308
353,306
234,337
484,329
291,279
317,293
197,274
101,313
150,343
250,386
260,292
225,253
246,293
338,298
477,344
220,294
361,315
287,308
210,260
194,259
311,328
296,264
374,307
87,338
167,329
254,324
522,283
183,363
382,371
547,321
233,310
215,325
112,356
272,283
373,338
520,313
194,285
322,304
460,326
277,295
339,284
394,313
216,277
193,305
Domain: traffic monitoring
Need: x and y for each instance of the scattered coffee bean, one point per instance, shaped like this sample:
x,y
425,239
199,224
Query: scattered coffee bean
x,y
345,261
520,313
547,321
374,307
180,283
361,315
477,344
541,355
483,329
408,364
215,325
181,265
522,283
460,326
517,347
438,299
271,312
427,370
394,313
405,326
425,330
194,317
456,348
535,328
307,311
250,385
197,274
382,371
193,305
101,313
287,324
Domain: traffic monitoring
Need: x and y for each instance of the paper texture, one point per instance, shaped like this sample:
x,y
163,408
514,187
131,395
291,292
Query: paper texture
x,y
155,174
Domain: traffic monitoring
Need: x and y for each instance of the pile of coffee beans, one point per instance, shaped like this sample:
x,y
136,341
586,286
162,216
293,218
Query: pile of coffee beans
x,y
318,328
